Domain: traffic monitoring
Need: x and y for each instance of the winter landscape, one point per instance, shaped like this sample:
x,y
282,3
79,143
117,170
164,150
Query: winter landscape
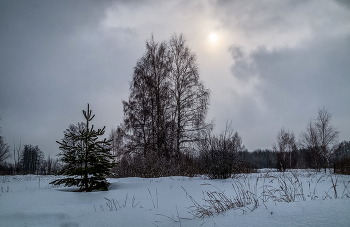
x,y
267,198
174,113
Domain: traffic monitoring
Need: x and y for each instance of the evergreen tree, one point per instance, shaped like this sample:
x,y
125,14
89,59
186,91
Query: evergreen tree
x,y
87,160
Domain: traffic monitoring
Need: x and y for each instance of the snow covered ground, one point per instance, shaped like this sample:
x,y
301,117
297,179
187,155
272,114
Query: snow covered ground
x,y
31,201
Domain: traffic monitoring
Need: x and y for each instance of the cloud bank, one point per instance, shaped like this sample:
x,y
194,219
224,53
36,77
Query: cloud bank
x,y
273,65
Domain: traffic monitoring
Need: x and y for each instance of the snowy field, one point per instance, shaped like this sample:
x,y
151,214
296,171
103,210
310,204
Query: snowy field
x,y
300,198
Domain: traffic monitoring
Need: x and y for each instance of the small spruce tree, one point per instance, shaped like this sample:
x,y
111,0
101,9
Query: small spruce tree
x,y
88,160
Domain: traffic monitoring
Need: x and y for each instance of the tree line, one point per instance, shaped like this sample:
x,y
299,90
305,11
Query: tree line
x,y
28,159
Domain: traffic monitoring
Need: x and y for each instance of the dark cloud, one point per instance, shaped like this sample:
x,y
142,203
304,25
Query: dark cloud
x,y
318,67
55,58
345,3
243,68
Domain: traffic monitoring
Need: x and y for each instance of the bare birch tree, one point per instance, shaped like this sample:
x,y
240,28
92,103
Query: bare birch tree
x,y
284,145
191,98
148,107
321,138
328,135
309,140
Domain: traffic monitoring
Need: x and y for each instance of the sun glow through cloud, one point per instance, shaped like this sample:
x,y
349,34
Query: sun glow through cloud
x,y
213,37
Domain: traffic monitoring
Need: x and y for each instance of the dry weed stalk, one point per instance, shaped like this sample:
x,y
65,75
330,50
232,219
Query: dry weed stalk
x,y
289,189
154,206
312,194
334,182
113,204
334,186
346,191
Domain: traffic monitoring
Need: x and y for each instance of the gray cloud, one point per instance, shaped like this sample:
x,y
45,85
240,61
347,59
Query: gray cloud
x,y
345,3
243,68
296,82
287,60
55,59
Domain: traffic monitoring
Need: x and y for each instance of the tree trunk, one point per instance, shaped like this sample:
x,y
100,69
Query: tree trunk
x,y
86,155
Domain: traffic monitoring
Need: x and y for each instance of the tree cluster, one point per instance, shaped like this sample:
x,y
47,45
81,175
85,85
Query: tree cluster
x,y
29,159
167,106
317,147
219,156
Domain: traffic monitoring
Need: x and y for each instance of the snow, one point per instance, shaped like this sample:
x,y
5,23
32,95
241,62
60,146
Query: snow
x,y
31,201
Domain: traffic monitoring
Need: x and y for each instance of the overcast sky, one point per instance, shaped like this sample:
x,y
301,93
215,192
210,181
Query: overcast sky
x,y
269,64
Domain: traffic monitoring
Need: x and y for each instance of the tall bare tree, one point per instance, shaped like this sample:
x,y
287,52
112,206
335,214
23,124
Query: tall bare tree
x,y
284,145
191,98
328,135
321,138
309,140
147,110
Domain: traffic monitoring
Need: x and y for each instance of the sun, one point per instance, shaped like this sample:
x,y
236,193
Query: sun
x,y
213,37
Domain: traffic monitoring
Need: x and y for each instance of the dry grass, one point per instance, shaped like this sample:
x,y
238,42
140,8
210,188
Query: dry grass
x,y
218,201
113,204
289,189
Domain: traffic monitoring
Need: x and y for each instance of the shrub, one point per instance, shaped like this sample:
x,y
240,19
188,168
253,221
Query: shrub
x,y
342,166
